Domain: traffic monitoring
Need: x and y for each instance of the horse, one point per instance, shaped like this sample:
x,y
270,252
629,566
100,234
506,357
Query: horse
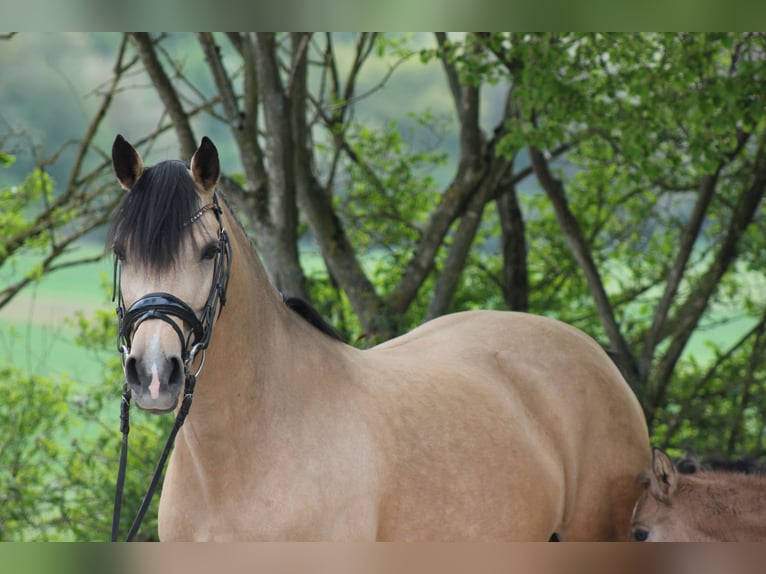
x,y
698,506
480,425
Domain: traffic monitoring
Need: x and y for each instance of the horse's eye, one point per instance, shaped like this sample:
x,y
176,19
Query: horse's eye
x,y
210,251
119,252
640,535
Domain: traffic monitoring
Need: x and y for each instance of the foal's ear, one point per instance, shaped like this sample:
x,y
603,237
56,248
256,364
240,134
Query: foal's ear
x,y
205,166
664,478
127,163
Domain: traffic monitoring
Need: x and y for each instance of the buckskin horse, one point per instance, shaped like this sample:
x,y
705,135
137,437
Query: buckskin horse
x,y
481,425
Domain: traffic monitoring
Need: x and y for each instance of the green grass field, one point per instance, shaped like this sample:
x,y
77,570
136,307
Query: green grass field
x,y
37,329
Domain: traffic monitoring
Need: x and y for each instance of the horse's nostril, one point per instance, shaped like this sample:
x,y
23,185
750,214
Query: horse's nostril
x,y
131,372
177,372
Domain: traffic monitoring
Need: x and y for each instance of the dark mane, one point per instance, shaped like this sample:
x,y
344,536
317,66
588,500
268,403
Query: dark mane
x,y
311,315
149,223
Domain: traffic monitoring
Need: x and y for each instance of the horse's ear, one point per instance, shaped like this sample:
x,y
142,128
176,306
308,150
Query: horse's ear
x,y
127,162
205,166
664,477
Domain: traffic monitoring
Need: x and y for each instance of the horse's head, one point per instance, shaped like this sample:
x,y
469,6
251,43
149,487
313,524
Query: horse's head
x,y
666,509
171,267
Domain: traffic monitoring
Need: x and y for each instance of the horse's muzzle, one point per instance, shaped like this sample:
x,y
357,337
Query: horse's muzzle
x,y
155,384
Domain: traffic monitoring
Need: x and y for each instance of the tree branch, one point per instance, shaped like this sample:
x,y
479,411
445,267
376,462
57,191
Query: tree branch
x,y
706,191
574,238
145,48
68,199
299,59
675,275
243,125
452,78
515,283
675,423
756,358
338,253
690,313
222,81
421,263
446,284
46,266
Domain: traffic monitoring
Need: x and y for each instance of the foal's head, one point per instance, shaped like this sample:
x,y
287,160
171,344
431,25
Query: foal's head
x,y
167,241
702,506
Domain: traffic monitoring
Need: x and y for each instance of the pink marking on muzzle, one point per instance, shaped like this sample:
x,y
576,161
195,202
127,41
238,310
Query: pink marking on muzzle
x,y
154,386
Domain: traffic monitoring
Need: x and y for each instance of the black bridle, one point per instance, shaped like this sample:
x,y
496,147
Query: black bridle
x,y
166,307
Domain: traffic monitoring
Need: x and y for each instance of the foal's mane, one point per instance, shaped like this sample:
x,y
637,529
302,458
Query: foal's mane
x,y
151,223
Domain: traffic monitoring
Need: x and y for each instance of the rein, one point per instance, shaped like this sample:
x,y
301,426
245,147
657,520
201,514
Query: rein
x,y
164,306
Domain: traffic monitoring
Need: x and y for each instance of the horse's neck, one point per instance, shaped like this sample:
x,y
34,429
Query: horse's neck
x,y
257,347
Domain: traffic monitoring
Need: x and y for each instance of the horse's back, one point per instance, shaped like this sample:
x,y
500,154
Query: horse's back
x,y
532,357
528,406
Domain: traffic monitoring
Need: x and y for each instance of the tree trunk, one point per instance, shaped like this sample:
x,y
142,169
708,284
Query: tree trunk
x,y
280,248
514,249
337,251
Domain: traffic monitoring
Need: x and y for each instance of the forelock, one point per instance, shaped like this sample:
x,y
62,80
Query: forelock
x,y
150,222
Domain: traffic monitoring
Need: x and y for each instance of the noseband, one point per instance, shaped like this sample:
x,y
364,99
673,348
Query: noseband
x,y
166,307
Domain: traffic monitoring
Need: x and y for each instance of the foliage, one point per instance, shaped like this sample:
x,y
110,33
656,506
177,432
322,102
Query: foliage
x,y
388,199
58,464
728,419
32,414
